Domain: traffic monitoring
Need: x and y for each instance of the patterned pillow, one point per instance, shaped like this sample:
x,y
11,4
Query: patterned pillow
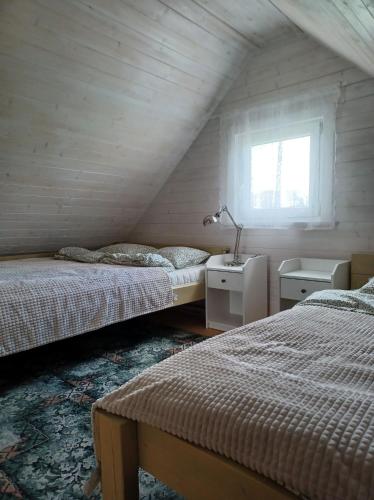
x,y
369,287
138,259
128,248
182,257
79,254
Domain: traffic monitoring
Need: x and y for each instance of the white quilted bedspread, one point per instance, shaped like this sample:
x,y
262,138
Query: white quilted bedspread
x,y
291,397
43,300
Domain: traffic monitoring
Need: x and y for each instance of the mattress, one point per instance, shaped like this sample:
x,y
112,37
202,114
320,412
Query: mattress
x,y
291,397
193,274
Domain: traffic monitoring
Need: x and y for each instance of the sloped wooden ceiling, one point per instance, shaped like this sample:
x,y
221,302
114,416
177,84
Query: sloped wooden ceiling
x,y
346,26
100,99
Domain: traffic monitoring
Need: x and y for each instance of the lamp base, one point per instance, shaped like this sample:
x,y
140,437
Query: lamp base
x,y
234,263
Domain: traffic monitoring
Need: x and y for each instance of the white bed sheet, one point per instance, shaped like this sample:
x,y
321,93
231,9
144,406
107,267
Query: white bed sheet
x,y
193,274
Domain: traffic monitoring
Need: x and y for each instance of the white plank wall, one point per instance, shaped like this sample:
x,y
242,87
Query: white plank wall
x,y
192,190
99,101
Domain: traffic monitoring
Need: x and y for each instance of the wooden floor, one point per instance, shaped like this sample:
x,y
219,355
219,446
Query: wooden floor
x,y
190,318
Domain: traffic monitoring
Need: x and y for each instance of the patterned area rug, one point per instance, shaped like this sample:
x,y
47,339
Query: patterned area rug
x,y
45,400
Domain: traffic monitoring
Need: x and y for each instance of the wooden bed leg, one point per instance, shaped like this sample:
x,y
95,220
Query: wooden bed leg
x,y
118,456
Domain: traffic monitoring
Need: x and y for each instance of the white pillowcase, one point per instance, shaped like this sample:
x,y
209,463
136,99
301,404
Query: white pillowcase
x,y
182,257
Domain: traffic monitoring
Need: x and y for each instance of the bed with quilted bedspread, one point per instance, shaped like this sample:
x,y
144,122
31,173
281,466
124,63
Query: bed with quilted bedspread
x,y
43,300
290,397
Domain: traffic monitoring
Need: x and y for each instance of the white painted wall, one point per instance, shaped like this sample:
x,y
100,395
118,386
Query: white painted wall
x,y
192,190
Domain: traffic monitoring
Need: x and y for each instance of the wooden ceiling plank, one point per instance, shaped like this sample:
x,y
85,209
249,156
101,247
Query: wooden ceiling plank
x,y
359,18
152,73
256,20
121,38
330,21
195,13
172,20
173,30
153,38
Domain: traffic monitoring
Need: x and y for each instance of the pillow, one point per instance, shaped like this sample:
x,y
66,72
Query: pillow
x,y
79,254
183,256
369,287
138,259
128,248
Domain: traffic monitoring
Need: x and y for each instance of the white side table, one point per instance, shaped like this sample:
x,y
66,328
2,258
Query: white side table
x,y
236,295
300,277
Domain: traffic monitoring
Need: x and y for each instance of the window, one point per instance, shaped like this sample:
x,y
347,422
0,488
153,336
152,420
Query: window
x,y
280,174
278,163
283,172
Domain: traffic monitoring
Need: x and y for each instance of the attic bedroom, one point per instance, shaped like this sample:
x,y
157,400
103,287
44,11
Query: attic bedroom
x,y
187,249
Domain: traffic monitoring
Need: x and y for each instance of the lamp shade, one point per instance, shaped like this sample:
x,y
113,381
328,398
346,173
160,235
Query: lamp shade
x,y
210,219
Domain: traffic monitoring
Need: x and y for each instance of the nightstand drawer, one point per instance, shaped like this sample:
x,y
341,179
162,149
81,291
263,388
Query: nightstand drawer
x,y
295,289
225,280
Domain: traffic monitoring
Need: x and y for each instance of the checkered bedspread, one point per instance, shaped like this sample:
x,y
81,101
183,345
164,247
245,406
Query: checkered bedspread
x,y
43,300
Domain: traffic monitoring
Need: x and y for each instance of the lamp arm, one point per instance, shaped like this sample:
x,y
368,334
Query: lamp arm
x,y
238,228
225,209
237,243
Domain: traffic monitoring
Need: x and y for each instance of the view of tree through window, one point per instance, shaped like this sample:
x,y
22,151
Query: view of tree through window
x,y
280,174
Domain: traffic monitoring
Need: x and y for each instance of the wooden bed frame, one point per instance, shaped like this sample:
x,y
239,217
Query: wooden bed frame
x,y
122,445
183,294
362,269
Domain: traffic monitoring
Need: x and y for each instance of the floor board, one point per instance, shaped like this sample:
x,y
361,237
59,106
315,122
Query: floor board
x,y
190,318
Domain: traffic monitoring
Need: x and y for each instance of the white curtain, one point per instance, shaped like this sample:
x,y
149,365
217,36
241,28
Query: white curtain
x,y
311,114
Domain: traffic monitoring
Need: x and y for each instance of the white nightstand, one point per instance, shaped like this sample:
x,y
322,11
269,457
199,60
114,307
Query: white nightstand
x,y
235,295
300,277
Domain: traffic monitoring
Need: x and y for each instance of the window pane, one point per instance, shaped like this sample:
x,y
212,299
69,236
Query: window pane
x,y
280,173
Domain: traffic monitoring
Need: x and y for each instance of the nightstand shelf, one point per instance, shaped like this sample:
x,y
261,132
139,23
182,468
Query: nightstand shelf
x,y
235,295
300,277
